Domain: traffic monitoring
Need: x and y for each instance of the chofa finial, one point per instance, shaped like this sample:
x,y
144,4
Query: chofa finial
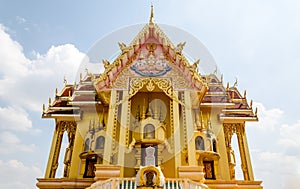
x,y
236,82
151,21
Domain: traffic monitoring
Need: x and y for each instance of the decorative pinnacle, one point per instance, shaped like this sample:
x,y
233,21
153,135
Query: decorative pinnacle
x,y
221,78
245,94
236,82
151,21
65,80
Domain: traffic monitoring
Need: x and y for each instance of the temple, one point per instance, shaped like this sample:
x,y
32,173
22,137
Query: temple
x,y
149,120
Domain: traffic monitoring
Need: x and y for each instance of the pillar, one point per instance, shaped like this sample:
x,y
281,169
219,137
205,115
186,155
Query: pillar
x,y
54,151
109,128
71,130
189,129
228,132
123,130
176,131
244,152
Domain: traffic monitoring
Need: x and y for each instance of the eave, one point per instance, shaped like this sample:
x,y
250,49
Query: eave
x,y
84,103
76,116
79,92
229,119
219,105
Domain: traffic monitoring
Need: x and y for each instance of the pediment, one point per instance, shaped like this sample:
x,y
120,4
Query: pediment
x,y
151,54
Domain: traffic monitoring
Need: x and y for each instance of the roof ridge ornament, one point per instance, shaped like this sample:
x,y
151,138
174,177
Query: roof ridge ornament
x,y
151,20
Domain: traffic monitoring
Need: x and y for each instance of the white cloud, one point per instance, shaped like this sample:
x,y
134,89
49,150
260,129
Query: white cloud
x,y
28,83
290,135
278,170
268,118
20,19
13,118
10,144
271,139
24,85
13,62
9,138
14,174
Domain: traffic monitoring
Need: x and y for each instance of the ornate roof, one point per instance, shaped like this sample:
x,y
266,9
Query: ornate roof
x,y
151,54
151,40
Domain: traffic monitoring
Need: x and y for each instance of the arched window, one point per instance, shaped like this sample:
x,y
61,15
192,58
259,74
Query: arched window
x,y
100,143
214,143
87,145
149,132
199,143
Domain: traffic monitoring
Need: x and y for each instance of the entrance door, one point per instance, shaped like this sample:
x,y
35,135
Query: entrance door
x,y
90,167
209,170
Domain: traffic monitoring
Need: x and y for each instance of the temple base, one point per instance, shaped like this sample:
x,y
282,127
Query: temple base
x,y
104,172
194,173
58,183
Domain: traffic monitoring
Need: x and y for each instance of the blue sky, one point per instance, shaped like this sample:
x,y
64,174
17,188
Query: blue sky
x,y
255,41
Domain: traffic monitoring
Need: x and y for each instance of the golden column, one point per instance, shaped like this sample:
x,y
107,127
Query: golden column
x,y
54,152
71,130
189,129
239,129
123,131
228,132
61,127
244,152
176,131
110,128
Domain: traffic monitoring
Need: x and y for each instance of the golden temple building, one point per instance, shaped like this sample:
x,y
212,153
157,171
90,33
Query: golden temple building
x,y
150,120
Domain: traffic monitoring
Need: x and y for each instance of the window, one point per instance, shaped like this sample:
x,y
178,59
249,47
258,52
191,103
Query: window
x,y
149,132
100,143
199,143
87,145
214,145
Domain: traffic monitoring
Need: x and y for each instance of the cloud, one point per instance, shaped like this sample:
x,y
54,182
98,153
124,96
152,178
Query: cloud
x,y
13,62
20,19
274,149
17,120
278,170
268,118
10,144
28,83
14,174
290,135
24,85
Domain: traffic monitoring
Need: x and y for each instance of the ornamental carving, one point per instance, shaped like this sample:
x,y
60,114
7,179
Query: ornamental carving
x,y
151,66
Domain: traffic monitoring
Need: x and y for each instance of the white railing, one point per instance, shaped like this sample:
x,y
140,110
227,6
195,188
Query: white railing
x,y
173,183
126,183
129,183
114,183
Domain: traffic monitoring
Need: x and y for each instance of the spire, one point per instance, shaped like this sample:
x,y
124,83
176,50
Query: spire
x,y
151,21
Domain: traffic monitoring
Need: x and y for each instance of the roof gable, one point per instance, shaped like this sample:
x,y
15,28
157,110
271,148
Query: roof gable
x,y
150,54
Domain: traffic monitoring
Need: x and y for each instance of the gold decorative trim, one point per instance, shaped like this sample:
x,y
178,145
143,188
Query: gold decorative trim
x,y
147,169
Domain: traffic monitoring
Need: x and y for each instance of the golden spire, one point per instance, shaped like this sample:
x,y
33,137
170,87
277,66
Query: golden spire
x,y
151,21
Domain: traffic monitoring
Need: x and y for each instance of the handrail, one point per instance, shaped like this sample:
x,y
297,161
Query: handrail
x,y
129,183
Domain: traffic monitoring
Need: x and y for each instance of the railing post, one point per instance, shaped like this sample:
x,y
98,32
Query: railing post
x,y
113,183
186,184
